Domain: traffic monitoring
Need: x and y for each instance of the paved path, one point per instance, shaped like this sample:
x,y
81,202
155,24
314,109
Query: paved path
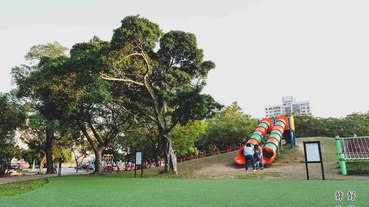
x,y
12,179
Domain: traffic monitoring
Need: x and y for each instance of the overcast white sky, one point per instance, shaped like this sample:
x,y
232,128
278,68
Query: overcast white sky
x,y
316,50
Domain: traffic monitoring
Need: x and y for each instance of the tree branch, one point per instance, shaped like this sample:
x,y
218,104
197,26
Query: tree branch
x,y
128,56
84,131
174,123
127,80
96,135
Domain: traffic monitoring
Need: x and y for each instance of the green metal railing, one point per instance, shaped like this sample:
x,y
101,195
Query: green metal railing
x,y
344,154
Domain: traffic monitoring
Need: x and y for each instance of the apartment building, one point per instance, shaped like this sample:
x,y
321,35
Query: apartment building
x,y
289,106
273,111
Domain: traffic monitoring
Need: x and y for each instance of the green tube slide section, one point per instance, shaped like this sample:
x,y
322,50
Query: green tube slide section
x,y
271,146
263,124
258,134
276,135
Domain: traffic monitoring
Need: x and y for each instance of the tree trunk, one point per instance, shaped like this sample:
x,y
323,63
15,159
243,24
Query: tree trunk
x,y
155,149
98,160
3,166
77,163
96,147
170,156
59,170
42,161
33,164
49,156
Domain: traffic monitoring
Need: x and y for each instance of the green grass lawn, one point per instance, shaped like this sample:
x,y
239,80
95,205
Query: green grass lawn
x,y
357,168
11,189
114,191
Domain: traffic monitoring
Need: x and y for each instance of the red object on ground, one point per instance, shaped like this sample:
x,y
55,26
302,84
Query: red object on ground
x,y
266,160
240,159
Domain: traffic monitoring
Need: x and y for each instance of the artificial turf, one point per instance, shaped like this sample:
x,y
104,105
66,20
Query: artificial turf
x,y
113,191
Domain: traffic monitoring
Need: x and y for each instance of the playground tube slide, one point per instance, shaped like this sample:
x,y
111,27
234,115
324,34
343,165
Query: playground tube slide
x,y
271,146
264,126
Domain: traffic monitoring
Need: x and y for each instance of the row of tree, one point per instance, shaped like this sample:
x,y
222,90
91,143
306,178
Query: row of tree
x,y
140,87
356,123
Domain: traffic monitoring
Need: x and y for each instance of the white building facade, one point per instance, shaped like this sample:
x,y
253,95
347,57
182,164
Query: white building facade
x,y
289,106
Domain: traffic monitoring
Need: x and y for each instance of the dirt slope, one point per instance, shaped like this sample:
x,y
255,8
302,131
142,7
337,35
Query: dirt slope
x,y
288,166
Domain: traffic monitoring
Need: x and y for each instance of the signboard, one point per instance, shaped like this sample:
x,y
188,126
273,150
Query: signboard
x,y
138,162
138,158
313,154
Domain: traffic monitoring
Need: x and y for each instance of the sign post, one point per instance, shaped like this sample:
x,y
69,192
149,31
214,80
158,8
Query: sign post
x,y
313,154
138,161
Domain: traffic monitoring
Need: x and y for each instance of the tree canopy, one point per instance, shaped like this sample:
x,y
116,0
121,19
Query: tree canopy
x,y
356,123
12,116
229,127
165,84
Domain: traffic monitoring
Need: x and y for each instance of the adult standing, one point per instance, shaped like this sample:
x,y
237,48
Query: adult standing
x,y
248,153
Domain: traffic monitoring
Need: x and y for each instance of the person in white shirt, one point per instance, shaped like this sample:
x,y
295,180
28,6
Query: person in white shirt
x,y
248,153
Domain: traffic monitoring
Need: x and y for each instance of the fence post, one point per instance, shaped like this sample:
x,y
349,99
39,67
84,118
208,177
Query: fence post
x,y
341,157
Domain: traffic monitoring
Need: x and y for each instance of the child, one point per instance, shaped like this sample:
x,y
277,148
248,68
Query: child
x,y
258,156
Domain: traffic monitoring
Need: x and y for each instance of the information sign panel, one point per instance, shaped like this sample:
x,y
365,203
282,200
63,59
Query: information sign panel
x,y
313,154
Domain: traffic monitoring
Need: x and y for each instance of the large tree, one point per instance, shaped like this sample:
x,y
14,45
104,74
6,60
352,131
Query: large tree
x,y
85,100
12,116
69,90
33,134
164,81
35,85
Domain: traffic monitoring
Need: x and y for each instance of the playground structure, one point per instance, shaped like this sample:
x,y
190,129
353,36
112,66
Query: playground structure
x,y
351,149
277,129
